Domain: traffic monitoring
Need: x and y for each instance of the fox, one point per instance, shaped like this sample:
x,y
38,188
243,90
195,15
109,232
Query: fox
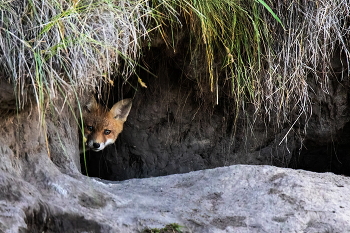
x,y
101,125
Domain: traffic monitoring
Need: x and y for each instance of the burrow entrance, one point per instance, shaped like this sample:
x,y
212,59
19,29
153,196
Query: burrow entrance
x,y
176,127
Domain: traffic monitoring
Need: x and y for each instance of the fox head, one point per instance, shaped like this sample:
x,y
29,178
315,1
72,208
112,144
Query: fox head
x,y
102,126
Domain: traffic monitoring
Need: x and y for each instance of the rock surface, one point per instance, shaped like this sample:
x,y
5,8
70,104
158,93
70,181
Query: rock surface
x,y
239,198
177,125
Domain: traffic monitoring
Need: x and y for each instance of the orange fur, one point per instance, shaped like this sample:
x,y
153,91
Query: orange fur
x,y
102,126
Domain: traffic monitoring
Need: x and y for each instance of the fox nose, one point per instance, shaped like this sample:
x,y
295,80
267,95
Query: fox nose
x,y
96,145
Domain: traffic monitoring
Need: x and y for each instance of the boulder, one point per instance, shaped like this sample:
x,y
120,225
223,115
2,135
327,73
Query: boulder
x,y
239,198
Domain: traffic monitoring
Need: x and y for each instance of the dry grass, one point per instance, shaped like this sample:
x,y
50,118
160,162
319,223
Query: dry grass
x,y
316,32
62,45
268,65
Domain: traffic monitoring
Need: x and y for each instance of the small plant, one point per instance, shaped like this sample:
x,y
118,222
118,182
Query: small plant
x,y
174,226
170,228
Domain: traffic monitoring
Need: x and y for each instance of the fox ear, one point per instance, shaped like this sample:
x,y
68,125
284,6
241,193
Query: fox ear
x,y
121,109
92,104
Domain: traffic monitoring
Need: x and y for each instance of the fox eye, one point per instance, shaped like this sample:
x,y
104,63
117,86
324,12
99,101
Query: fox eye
x,y
107,131
90,128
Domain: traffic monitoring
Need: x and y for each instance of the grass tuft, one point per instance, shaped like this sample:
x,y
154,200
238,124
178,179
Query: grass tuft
x,y
71,44
269,52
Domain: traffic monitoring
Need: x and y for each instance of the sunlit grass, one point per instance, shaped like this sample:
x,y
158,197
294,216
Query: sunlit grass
x,y
68,43
268,52
229,33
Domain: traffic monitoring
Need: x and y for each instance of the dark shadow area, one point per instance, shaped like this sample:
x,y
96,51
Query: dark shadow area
x,y
112,164
98,164
333,156
42,221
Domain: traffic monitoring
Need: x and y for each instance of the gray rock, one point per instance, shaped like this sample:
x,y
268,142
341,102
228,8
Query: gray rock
x,y
239,198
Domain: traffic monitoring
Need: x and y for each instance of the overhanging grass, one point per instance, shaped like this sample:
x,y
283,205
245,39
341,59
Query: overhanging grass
x,y
232,34
67,43
267,65
72,44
